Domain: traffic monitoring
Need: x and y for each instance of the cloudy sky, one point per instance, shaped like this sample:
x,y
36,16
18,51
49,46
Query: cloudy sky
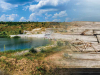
x,y
50,10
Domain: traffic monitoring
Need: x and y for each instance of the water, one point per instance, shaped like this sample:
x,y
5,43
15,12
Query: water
x,y
22,43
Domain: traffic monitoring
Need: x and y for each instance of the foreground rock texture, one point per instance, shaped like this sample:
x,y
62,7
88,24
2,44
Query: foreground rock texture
x,y
84,51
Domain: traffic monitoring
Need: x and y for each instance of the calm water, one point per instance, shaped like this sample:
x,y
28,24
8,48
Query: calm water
x,y
22,43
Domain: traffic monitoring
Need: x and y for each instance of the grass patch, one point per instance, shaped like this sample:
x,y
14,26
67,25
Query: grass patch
x,y
13,51
33,54
44,53
10,52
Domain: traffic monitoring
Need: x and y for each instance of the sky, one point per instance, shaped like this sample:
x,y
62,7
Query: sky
x,y
49,10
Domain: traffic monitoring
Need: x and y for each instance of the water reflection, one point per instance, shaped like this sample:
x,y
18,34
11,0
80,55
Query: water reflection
x,y
21,43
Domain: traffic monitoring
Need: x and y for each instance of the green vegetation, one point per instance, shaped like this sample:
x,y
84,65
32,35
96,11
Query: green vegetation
x,y
66,43
4,36
13,28
33,58
16,37
32,50
7,52
59,43
9,63
43,53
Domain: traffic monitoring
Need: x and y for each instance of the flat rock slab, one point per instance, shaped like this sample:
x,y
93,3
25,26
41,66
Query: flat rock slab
x,y
94,43
82,63
74,37
80,31
86,56
83,60
21,53
97,32
88,32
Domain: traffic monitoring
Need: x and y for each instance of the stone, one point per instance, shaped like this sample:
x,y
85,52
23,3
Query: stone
x,y
97,32
88,32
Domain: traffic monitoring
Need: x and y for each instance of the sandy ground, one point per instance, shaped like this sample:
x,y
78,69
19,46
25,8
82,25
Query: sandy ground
x,y
60,36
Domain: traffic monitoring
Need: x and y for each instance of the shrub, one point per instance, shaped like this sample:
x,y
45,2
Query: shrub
x,y
59,43
66,42
16,37
43,51
32,50
37,32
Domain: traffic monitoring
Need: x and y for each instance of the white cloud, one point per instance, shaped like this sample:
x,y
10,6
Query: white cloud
x,y
25,8
56,20
47,16
61,14
89,3
41,11
47,3
3,17
67,19
11,17
6,6
53,4
32,17
8,17
74,9
78,3
22,19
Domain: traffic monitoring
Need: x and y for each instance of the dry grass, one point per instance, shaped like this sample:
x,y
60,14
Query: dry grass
x,y
28,64
25,66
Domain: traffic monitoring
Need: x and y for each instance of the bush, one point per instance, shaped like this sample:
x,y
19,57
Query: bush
x,y
32,50
59,43
16,37
66,42
43,51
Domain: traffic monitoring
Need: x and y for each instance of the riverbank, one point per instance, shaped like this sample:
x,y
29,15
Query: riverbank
x,y
4,36
58,36
34,62
47,58
33,35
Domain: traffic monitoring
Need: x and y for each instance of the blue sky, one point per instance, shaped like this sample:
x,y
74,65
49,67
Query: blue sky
x,y
50,10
